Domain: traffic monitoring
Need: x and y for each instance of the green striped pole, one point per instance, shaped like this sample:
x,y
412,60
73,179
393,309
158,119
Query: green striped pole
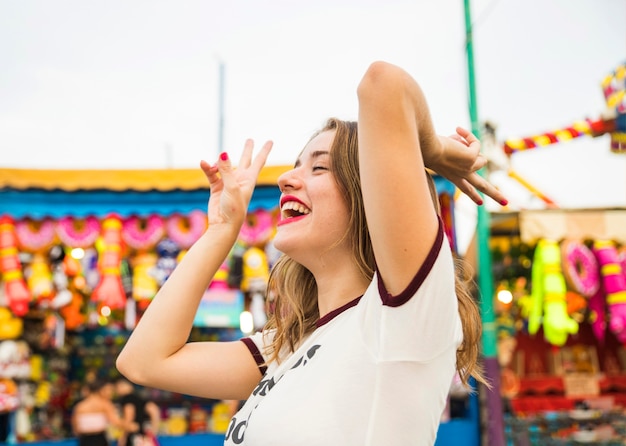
x,y
494,422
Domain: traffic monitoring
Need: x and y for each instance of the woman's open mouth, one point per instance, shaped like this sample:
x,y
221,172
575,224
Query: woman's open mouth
x,y
292,210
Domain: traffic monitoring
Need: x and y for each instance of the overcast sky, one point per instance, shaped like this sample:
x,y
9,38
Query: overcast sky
x,y
135,83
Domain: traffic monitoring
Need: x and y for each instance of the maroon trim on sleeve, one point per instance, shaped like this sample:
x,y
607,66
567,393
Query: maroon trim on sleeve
x,y
256,354
336,312
411,289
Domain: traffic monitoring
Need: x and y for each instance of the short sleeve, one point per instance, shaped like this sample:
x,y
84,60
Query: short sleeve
x,y
423,321
257,344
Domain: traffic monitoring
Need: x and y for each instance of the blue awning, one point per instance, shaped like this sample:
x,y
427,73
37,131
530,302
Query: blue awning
x,y
39,203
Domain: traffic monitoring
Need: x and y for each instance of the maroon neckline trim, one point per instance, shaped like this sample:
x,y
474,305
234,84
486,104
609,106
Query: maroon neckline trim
x,y
336,312
411,289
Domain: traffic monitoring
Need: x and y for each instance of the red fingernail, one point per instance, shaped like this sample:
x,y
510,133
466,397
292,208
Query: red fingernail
x,y
224,156
479,202
504,202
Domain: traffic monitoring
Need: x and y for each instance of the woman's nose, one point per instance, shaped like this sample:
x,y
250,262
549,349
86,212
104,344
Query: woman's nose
x,y
288,180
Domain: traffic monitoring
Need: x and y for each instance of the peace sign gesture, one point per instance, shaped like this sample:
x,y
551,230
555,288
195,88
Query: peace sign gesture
x,y
460,160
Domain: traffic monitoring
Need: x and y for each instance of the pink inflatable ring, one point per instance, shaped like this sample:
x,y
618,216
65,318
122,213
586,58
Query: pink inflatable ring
x,y
78,233
142,234
35,235
186,230
256,228
580,267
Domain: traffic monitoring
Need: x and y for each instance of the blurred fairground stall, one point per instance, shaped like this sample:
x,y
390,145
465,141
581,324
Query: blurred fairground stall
x,y
553,291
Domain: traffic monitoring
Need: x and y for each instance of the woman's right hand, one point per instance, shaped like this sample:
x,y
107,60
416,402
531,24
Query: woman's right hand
x,y
231,188
460,160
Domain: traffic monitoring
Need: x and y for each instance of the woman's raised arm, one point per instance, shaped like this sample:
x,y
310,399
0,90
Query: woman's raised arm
x,y
397,140
157,353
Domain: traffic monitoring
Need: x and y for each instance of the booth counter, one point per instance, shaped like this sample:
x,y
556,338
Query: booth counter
x,y
205,439
449,434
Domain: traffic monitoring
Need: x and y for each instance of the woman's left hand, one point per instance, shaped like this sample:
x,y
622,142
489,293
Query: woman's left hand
x,y
460,161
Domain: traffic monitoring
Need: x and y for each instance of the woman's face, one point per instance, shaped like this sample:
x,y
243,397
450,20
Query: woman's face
x,y
314,216
107,391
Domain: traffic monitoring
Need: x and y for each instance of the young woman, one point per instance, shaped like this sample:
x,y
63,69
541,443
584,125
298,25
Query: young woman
x,y
370,323
93,415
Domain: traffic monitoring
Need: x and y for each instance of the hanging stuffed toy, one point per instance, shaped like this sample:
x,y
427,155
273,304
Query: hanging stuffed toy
x,y
90,270
255,270
142,235
614,285
145,285
71,286
39,280
167,251
9,395
15,288
548,295
37,237
11,327
63,295
255,277
73,312
110,291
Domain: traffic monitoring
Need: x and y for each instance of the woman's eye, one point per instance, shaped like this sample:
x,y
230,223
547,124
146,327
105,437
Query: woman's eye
x,y
319,168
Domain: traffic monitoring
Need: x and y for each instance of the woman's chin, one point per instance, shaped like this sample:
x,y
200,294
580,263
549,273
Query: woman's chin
x,y
287,244
279,243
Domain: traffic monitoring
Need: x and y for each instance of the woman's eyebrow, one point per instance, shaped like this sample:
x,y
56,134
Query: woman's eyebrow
x,y
319,153
313,155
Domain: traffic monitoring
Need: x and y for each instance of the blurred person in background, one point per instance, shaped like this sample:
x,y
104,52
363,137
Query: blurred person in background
x,y
135,408
95,413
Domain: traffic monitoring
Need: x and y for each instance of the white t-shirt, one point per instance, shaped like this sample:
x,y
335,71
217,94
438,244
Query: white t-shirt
x,y
375,372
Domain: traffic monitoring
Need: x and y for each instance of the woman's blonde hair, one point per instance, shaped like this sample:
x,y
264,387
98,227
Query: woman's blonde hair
x,y
293,287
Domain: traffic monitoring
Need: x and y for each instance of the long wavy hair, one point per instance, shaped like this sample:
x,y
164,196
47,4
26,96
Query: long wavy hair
x,y
294,290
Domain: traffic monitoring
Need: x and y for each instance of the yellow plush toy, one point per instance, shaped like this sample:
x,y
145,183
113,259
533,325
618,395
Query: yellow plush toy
x,y
255,270
10,327
255,277
40,278
145,285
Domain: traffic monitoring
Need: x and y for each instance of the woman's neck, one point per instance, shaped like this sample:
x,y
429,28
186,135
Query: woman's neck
x,y
337,288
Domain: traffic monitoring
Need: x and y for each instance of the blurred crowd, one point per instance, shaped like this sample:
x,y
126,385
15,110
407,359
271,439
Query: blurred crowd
x,y
114,410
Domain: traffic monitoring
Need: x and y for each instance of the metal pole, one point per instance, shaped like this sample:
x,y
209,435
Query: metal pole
x,y
495,424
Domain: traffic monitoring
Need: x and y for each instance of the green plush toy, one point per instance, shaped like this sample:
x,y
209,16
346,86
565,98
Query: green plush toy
x,y
548,295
